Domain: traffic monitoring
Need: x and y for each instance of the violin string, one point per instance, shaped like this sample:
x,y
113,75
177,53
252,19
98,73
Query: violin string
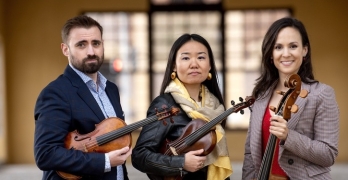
x,y
127,129
268,155
207,126
191,138
105,138
122,131
89,145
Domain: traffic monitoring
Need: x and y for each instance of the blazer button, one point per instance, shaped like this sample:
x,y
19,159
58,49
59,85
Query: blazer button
x,y
290,161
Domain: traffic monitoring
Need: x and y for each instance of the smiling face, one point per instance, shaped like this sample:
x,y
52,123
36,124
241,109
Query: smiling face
x,y
192,64
288,51
84,49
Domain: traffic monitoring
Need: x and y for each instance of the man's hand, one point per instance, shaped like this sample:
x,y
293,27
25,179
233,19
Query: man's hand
x,y
118,157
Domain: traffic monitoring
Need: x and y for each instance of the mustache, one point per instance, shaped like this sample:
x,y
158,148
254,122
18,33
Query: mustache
x,y
91,57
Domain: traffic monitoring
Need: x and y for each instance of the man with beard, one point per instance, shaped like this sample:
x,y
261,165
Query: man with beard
x,y
77,100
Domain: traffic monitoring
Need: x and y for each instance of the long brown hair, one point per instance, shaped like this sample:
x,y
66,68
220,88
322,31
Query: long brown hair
x,y
269,73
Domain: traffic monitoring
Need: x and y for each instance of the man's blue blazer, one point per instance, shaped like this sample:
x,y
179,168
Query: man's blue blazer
x,y
65,105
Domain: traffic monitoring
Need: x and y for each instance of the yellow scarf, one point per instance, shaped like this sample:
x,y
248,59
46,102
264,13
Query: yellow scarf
x,y
218,160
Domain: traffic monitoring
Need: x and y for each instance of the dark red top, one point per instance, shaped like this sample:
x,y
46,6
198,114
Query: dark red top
x,y
276,169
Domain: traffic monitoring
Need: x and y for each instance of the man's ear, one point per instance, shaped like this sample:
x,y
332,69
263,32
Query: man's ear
x,y
65,49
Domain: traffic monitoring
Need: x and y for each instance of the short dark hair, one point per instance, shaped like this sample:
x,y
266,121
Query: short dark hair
x,y
79,21
212,84
269,73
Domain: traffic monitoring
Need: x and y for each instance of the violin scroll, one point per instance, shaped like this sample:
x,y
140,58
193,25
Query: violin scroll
x,y
173,111
287,104
249,100
167,113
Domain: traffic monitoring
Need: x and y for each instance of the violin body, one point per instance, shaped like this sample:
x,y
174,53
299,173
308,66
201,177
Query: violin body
x,y
199,134
207,142
89,143
110,134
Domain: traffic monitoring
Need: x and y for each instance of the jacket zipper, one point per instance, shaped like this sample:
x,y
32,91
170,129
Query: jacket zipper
x,y
166,167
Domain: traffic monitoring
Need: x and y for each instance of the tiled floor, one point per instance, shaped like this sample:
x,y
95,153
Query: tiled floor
x,y
31,172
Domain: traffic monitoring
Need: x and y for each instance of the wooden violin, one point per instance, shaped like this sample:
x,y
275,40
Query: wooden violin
x,y
285,107
110,134
200,134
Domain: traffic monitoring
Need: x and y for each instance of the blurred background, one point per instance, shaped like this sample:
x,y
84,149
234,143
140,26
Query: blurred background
x,y
138,35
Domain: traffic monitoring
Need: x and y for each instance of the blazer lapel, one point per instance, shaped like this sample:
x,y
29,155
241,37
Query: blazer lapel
x,y
84,92
258,109
86,96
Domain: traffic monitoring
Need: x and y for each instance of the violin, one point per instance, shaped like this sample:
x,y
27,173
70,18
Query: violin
x,y
285,107
200,134
110,134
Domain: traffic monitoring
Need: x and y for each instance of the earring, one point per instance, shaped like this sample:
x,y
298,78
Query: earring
x,y
304,57
173,75
209,76
271,60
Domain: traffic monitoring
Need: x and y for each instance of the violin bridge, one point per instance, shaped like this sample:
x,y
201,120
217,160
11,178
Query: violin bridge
x,y
85,147
173,150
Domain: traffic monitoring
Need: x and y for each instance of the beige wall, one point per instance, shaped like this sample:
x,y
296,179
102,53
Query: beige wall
x,y
33,57
3,138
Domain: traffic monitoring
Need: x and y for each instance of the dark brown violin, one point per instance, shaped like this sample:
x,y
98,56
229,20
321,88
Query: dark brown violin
x,y
285,107
109,135
200,134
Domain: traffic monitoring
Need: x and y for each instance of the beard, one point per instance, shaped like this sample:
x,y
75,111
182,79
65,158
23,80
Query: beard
x,y
85,66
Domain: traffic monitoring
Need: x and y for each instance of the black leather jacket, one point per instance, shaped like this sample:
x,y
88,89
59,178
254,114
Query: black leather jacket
x,y
145,156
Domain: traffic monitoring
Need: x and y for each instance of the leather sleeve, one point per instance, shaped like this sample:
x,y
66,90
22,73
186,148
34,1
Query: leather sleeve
x,y
145,155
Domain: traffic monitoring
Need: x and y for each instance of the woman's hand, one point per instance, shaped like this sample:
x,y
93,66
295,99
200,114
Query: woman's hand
x,y
279,127
193,160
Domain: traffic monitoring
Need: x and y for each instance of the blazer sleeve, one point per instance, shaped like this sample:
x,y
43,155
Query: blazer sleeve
x,y
248,170
53,121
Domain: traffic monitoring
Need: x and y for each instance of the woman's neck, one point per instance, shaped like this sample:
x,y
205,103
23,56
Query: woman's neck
x,y
194,92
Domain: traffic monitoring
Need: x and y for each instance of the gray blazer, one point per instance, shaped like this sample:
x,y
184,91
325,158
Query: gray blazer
x,y
312,143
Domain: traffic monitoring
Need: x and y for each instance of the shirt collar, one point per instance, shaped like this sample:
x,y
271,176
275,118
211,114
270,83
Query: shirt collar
x,y
101,80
